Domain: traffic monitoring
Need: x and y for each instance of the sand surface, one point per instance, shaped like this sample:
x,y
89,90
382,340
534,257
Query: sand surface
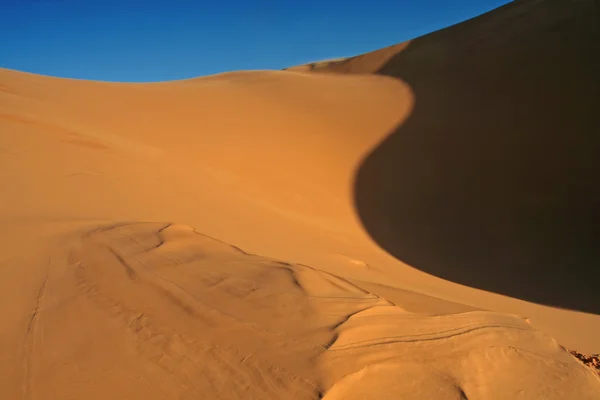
x,y
241,236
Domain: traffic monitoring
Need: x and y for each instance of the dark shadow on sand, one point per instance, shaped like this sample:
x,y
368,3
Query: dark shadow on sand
x,y
494,179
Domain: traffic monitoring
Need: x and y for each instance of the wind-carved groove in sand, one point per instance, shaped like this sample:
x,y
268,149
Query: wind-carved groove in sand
x,y
159,235
128,269
176,352
358,334
439,335
30,333
152,343
250,324
176,349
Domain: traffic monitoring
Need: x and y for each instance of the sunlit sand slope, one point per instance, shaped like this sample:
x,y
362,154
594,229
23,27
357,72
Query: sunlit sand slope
x,y
156,310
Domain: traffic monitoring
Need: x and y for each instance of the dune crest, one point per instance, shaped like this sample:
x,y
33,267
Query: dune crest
x,y
496,168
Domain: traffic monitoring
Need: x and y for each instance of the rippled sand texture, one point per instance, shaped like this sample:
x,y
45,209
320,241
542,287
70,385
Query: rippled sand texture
x,y
150,310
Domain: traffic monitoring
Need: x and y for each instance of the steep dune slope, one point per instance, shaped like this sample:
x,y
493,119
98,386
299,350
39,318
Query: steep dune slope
x,y
113,285
492,182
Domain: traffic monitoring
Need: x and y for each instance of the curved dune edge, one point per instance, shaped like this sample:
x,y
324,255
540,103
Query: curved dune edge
x,y
80,150
491,181
149,310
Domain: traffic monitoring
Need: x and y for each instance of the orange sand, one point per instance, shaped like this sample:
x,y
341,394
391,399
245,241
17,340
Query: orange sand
x,y
226,237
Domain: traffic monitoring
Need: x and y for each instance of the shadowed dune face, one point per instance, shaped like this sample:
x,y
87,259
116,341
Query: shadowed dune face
x,y
492,181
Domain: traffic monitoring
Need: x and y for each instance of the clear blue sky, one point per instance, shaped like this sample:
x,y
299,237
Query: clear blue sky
x,y
157,40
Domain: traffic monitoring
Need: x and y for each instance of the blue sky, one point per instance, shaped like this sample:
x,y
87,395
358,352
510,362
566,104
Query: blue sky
x,y
157,40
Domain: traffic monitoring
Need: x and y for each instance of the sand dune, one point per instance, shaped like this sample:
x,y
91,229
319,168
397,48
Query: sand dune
x,y
512,189
263,234
150,310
